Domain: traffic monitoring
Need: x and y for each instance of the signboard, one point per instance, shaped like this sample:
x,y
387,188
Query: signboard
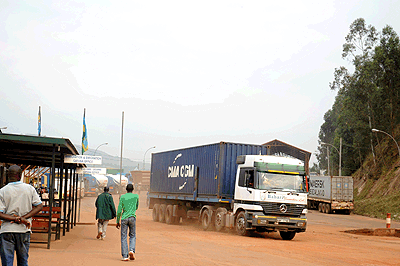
x,y
97,171
84,159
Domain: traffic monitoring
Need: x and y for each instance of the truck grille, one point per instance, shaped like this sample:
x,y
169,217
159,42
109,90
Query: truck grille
x,y
282,208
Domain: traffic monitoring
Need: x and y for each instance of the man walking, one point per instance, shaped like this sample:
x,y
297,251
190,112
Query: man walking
x,y
18,203
105,211
128,204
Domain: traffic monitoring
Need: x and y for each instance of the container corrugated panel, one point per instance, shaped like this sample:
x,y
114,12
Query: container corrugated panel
x,y
175,171
215,164
342,188
229,167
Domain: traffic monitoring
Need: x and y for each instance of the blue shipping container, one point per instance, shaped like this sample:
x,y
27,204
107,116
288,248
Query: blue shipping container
x,y
175,172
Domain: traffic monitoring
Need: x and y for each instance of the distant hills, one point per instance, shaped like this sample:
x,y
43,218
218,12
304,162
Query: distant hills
x,y
110,161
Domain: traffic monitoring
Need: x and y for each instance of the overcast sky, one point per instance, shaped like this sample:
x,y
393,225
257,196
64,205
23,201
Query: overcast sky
x,y
184,73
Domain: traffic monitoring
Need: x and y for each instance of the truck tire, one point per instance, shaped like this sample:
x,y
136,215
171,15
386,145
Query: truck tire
x,y
240,224
205,219
328,208
156,209
287,235
219,219
320,207
161,213
169,219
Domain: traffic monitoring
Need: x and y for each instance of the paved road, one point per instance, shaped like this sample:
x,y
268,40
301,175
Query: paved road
x,y
324,243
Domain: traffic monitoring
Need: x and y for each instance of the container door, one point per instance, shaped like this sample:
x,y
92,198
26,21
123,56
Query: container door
x,y
342,188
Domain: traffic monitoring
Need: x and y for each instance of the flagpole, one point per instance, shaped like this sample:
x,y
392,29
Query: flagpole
x,y
84,133
120,164
39,122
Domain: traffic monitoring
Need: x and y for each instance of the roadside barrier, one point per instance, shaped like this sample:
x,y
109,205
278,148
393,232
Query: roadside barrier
x,y
388,220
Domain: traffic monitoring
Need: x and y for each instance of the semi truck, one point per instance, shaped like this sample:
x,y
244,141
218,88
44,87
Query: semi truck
x,y
94,184
230,185
331,194
114,184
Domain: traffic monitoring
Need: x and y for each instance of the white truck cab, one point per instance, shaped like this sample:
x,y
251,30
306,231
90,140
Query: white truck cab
x,y
270,195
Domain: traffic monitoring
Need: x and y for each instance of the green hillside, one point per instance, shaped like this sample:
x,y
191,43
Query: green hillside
x,y
377,182
363,124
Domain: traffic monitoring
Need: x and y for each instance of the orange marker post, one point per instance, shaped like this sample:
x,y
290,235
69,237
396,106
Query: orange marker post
x,y
388,220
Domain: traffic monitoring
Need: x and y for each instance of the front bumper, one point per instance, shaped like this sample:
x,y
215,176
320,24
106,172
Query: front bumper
x,y
282,223
342,206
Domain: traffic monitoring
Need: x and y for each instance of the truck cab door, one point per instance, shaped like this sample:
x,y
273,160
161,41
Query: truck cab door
x,y
244,190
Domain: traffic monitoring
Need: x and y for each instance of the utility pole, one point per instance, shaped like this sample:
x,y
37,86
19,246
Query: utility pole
x,y
327,148
340,158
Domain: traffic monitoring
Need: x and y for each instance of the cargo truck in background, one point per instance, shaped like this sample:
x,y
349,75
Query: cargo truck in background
x,y
230,185
114,184
331,193
94,184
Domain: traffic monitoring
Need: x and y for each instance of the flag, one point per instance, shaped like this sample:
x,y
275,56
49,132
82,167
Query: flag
x,y
39,123
84,134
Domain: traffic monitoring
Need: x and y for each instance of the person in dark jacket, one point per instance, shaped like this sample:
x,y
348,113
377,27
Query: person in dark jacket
x,y
105,211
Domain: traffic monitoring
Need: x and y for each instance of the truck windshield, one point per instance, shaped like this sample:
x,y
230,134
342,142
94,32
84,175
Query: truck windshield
x,y
277,181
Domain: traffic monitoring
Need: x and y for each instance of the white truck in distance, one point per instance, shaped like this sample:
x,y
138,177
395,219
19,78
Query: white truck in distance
x,y
331,194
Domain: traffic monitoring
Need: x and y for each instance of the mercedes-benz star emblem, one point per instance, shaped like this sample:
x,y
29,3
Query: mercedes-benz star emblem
x,y
283,208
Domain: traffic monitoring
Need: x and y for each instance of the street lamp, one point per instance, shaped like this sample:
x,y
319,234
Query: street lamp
x,y
377,130
340,155
99,147
144,157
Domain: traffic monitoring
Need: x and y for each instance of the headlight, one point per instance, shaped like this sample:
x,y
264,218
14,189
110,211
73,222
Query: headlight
x,y
305,211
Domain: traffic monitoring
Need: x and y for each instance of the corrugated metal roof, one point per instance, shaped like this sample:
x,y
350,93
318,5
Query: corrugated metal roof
x,y
277,146
34,150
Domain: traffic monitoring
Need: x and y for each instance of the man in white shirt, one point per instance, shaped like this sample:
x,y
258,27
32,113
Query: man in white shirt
x,y
18,203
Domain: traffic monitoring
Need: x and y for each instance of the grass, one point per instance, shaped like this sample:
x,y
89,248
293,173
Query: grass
x,y
378,206
378,176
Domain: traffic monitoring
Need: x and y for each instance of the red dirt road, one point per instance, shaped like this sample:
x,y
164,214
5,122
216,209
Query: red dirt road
x,y
323,243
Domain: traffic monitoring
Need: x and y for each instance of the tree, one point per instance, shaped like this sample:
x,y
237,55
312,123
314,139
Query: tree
x,y
367,98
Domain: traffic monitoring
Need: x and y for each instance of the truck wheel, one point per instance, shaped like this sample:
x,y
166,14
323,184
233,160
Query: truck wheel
x,y
206,219
328,208
320,207
161,213
168,214
240,224
156,209
287,235
219,220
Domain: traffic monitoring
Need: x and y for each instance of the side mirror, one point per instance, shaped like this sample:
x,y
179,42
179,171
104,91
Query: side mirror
x,y
247,178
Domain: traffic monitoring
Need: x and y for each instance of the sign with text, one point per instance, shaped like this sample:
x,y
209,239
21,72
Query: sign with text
x,y
86,159
93,171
